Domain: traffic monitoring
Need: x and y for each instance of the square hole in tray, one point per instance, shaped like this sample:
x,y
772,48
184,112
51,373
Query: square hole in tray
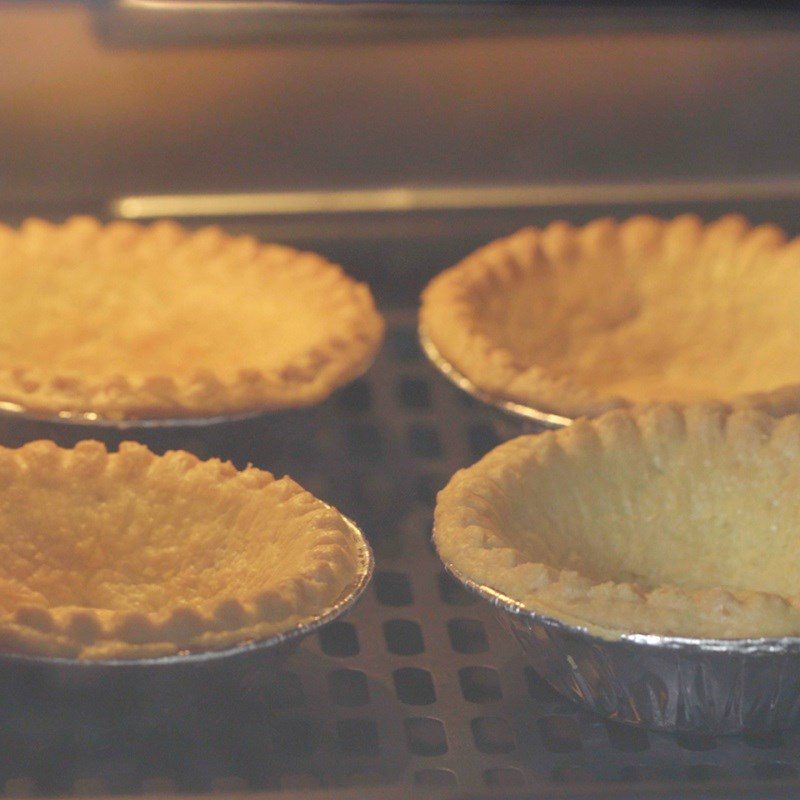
x,y
356,398
627,738
493,735
295,738
467,635
414,393
452,592
286,691
358,737
339,639
482,438
480,684
365,442
538,688
424,441
560,734
403,637
348,687
425,736
402,343
392,588
426,487
414,686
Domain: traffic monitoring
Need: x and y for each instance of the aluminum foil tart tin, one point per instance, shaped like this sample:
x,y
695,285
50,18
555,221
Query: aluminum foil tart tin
x,y
16,412
707,686
511,419
272,650
702,686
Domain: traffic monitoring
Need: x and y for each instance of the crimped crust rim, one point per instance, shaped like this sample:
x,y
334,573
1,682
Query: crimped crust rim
x,y
76,632
341,357
467,539
447,315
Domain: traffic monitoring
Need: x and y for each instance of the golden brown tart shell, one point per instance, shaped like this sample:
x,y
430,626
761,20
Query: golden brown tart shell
x,y
130,555
578,320
662,520
125,321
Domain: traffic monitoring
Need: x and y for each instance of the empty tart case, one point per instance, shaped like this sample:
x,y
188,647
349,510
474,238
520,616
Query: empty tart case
x,y
680,681
270,652
159,326
129,560
551,324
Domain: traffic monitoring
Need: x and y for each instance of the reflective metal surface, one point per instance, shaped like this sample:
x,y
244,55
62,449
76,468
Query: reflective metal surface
x,y
180,22
531,419
450,197
90,419
699,686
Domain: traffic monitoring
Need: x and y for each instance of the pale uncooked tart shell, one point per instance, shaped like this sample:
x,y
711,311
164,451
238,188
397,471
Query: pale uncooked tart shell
x,y
125,321
578,320
660,520
130,555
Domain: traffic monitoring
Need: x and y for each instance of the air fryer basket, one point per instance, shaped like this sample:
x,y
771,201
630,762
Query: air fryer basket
x,y
419,689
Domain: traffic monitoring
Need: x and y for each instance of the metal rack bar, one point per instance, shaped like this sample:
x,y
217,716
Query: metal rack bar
x,y
176,22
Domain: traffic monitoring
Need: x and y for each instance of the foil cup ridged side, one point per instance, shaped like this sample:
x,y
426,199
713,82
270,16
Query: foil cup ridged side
x,y
663,685
712,687
703,686
509,419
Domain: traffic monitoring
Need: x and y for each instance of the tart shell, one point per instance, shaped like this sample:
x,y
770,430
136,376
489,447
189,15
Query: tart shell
x,y
563,522
129,555
121,321
576,321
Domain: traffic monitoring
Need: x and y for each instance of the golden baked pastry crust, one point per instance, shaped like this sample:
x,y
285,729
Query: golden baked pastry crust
x,y
650,521
576,321
132,555
134,322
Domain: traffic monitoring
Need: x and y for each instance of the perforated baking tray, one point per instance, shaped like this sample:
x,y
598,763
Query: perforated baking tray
x,y
418,691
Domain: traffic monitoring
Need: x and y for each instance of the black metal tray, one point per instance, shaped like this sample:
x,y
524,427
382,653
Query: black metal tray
x,y
419,690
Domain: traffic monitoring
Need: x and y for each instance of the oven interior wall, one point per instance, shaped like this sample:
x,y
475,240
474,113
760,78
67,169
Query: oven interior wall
x,y
88,117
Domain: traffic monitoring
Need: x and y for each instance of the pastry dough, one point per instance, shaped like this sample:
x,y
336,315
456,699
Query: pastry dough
x,y
133,322
650,521
132,555
576,321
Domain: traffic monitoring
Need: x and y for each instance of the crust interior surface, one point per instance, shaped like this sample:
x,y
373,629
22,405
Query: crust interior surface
x,y
135,322
652,521
578,320
132,555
